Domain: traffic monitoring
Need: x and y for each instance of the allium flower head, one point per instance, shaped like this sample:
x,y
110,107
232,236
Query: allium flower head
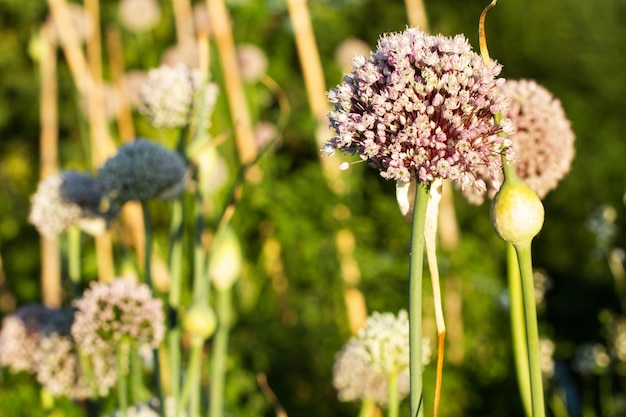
x,y
59,368
66,199
37,339
543,140
169,92
380,349
118,311
385,342
355,380
421,107
22,331
140,170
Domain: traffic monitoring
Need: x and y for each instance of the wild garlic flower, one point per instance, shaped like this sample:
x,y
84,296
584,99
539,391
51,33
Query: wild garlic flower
x,y
543,140
421,107
169,92
150,410
380,349
109,314
141,170
66,199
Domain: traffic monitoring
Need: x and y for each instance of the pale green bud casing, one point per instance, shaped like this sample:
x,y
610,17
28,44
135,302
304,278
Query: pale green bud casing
x,y
226,259
200,321
516,212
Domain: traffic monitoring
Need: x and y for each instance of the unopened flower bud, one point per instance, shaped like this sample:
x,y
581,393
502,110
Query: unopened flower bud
x,y
226,259
200,321
517,213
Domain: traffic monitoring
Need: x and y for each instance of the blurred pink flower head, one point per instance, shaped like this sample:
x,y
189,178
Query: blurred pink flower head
x,y
421,107
252,62
543,140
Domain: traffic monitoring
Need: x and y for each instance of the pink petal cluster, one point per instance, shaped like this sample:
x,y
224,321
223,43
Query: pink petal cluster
x,y
421,107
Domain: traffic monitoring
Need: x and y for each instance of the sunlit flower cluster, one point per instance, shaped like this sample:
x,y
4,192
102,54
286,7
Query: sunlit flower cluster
x,y
66,199
422,107
122,310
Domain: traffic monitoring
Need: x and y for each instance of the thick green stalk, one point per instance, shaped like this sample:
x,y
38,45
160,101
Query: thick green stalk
x,y
393,406
175,270
192,381
220,352
532,333
415,298
121,361
518,328
367,408
148,279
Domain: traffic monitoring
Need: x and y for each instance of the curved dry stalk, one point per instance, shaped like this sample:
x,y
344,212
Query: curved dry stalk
x,y
430,237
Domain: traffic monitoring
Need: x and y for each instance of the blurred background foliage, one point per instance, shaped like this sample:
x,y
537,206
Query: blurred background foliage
x,y
289,325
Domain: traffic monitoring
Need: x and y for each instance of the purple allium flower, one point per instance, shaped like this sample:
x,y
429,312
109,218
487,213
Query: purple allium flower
x,y
118,311
543,140
140,170
421,107
169,92
66,199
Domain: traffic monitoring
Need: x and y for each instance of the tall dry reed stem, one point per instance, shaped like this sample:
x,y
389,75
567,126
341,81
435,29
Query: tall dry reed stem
x,y
184,21
416,13
48,151
233,85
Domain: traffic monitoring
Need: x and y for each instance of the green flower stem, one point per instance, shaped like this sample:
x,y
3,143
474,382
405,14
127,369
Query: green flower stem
x,y
148,279
73,258
200,278
121,360
518,329
532,333
192,380
415,298
220,352
367,407
87,369
393,406
175,270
